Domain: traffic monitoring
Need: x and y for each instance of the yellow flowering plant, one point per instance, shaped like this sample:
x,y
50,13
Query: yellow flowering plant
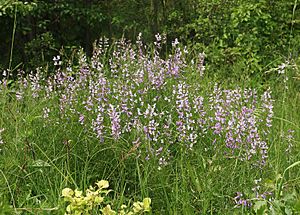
x,y
94,196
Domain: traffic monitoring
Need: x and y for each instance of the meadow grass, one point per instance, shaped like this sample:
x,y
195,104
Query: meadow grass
x,y
159,127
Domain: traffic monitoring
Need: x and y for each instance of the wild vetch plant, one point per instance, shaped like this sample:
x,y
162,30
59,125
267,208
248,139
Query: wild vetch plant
x,y
132,96
149,96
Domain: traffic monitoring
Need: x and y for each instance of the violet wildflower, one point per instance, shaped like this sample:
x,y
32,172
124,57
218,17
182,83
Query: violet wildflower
x,y
97,126
49,88
162,161
185,123
125,97
19,95
156,72
88,104
201,66
175,63
261,195
157,43
289,137
115,122
216,104
99,49
240,201
256,189
83,62
46,112
57,61
267,105
281,68
81,119
35,83
175,42
151,128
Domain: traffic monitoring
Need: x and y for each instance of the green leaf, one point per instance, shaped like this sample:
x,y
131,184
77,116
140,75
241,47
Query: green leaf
x,y
288,211
297,206
260,207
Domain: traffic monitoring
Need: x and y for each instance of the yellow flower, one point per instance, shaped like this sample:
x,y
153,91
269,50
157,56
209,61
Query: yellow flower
x,y
108,211
67,192
78,193
90,193
137,207
68,209
147,203
84,204
78,212
98,199
122,211
123,207
102,184
89,199
78,200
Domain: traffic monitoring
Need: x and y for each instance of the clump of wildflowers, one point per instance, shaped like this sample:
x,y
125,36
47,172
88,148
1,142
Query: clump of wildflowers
x,y
83,204
137,208
94,198
134,93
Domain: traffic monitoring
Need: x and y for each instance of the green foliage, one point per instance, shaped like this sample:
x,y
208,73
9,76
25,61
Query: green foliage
x,y
8,7
40,51
253,34
288,204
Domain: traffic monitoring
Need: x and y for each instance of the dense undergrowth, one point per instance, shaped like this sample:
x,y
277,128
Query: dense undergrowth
x,y
164,127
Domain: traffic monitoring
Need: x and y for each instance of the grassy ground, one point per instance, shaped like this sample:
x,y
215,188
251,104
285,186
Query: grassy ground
x,y
192,141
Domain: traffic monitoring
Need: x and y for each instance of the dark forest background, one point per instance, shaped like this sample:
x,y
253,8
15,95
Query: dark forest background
x,y
252,34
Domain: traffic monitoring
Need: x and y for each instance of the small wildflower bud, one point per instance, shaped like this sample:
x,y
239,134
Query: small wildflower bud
x,y
102,184
67,192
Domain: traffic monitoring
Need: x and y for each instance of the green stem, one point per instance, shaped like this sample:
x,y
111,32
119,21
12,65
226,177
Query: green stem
x,y
12,40
282,179
292,28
